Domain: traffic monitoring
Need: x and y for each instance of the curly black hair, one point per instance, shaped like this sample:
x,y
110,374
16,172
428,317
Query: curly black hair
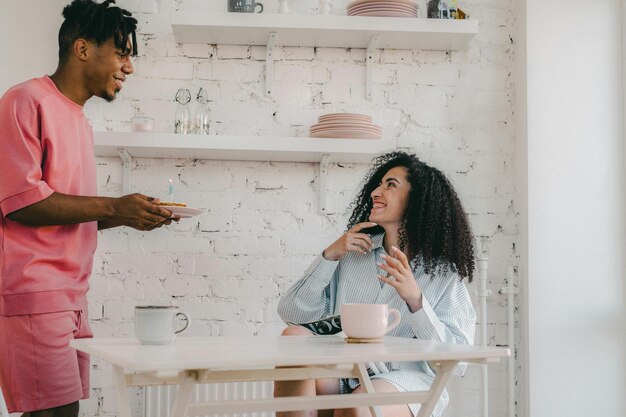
x,y
435,232
96,22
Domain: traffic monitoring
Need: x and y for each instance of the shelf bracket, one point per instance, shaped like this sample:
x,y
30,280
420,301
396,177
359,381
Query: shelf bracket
x,y
323,176
369,61
127,163
269,63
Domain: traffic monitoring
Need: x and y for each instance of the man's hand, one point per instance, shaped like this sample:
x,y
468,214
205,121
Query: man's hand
x,y
139,212
135,210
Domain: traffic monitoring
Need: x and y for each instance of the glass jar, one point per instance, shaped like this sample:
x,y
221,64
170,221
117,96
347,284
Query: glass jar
x,y
201,118
142,123
182,117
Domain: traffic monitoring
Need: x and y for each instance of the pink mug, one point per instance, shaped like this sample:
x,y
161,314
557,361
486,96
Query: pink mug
x,y
368,321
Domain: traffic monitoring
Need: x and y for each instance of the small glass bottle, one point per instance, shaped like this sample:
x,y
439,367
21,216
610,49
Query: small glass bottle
x,y
444,11
325,7
182,118
201,116
283,6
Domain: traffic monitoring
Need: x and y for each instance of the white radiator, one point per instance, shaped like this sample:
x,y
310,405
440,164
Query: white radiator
x,y
159,399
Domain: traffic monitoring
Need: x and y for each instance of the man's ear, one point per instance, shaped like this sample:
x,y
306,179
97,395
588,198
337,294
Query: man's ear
x,y
82,49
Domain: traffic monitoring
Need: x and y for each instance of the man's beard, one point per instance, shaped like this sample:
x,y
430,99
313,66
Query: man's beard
x,y
106,96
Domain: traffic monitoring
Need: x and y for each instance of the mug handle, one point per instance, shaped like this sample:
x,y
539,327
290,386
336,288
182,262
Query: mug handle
x,y
395,321
187,320
259,4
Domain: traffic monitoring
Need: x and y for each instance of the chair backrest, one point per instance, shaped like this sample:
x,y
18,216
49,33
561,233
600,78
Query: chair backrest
x,y
3,406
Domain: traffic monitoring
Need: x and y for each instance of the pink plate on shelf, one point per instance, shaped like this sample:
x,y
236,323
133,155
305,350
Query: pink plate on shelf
x,y
357,2
384,14
328,126
345,116
381,10
356,119
368,132
383,6
373,128
359,11
345,134
365,132
345,120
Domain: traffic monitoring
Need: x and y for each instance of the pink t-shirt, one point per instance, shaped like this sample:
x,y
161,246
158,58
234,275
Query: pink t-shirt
x,y
46,146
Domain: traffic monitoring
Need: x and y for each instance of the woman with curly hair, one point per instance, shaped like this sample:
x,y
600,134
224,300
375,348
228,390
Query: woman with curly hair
x,y
408,245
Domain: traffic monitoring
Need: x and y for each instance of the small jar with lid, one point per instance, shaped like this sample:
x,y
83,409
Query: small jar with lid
x,y
142,123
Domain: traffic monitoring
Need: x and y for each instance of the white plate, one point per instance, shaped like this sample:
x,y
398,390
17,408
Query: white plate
x,y
183,212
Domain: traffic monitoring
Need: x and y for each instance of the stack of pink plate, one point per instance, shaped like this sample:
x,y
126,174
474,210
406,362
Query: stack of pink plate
x,y
382,8
345,125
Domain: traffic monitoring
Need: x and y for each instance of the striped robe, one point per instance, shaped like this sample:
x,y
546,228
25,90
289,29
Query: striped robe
x,y
447,313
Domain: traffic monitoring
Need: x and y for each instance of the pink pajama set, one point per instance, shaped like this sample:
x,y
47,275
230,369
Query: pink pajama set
x,y
46,146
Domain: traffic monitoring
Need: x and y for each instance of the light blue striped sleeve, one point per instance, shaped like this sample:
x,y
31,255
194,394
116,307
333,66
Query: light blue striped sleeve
x,y
309,298
452,319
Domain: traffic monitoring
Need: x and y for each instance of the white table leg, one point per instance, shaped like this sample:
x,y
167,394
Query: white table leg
x,y
366,382
121,389
181,402
444,372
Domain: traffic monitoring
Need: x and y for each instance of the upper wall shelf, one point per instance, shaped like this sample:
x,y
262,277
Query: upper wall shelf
x,y
322,30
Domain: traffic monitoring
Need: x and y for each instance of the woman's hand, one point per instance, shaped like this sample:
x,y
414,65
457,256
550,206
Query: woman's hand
x,y
401,278
351,241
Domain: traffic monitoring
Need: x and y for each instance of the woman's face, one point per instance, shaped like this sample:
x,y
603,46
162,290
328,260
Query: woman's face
x,y
390,198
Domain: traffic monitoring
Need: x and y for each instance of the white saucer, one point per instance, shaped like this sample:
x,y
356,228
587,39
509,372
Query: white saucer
x,y
183,212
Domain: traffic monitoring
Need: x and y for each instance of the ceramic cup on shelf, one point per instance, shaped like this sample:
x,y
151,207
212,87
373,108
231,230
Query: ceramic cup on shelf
x,y
158,325
438,9
368,321
244,6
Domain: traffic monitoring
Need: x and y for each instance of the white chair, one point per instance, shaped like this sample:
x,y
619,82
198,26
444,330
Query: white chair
x,y
3,406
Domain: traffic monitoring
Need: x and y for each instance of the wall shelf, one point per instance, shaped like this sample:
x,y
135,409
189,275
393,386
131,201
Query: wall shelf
x,y
127,146
323,31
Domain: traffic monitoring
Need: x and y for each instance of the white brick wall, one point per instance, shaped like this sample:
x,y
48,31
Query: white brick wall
x,y
261,226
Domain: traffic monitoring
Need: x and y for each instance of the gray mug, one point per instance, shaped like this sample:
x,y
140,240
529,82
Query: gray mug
x,y
244,6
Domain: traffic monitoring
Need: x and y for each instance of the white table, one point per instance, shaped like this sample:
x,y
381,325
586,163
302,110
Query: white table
x,y
253,358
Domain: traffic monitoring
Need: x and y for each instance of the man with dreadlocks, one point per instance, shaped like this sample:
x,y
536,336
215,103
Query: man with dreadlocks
x,y
50,213
409,245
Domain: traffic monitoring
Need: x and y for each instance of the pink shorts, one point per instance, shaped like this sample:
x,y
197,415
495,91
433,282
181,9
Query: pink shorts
x,y
38,368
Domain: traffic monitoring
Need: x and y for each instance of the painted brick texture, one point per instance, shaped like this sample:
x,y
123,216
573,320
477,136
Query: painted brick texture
x,y
261,228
